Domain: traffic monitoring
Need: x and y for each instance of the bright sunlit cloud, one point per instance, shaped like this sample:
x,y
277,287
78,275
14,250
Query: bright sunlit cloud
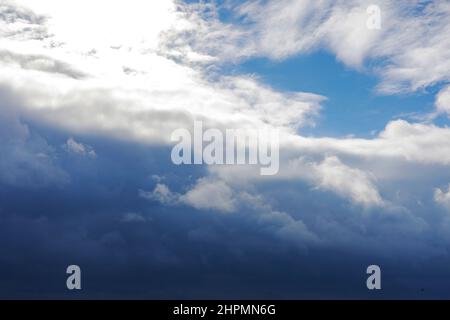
x,y
93,24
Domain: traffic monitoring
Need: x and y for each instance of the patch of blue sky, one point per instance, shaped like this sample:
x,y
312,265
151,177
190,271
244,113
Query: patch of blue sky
x,y
353,106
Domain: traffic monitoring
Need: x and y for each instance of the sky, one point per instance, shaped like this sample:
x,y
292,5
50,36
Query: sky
x,y
90,93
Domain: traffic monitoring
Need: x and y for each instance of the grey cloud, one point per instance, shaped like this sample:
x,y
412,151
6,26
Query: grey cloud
x,y
78,148
21,23
12,13
41,63
27,159
213,194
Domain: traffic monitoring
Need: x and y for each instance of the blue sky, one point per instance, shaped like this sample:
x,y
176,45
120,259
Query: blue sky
x,y
86,176
353,106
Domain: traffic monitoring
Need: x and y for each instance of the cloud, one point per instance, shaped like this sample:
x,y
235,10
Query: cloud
x,y
329,174
79,148
147,106
135,71
214,194
140,89
133,217
82,81
112,103
442,197
122,23
443,101
21,23
150,114
351,183
400,140
210,194
27,158
277,222
30,162
206,194
161,194
40,63
356,169
404,61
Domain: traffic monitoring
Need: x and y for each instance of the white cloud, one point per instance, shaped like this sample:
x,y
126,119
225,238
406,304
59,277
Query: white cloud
x,y
161,194
164,95
356,185
210,194
206,194
400,141
443,101
79,148
442,196
88,24
150,113
351,183
78,79
21,23
410,60
354,168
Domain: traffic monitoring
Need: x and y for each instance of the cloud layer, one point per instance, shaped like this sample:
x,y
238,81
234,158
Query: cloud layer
x,y
88,110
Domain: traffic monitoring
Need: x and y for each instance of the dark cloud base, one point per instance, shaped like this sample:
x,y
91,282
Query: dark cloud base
x,y
129,247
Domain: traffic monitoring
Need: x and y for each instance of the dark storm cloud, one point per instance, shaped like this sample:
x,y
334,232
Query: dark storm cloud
x,y
129,247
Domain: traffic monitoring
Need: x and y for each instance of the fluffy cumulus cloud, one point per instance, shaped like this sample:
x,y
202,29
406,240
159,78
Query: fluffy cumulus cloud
x,y
200,196
351,183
